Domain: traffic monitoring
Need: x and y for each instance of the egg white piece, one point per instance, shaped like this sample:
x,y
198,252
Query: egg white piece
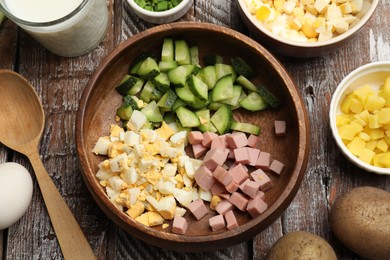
x,y
16,188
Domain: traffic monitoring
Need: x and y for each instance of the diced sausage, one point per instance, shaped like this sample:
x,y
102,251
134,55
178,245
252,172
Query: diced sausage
x,y
232,186
215,157
280,127
264,161
224,206
251,188
231,155
239,200
225,195
253,154
195,137
179,225
198,209
277,167
256,207
204,177
254,141
199,150
241,155
221,175
262,178
207,138
237,140
217,222
231,221
238,173
217,143
217,188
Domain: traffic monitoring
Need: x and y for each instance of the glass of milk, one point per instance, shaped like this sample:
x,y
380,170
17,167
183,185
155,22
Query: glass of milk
x,y
67,28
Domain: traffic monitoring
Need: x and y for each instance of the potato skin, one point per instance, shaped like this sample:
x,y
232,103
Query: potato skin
x,y
360,219
301,245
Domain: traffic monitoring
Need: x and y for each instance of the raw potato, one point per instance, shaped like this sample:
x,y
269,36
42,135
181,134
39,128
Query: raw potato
x,y
301,245
361,220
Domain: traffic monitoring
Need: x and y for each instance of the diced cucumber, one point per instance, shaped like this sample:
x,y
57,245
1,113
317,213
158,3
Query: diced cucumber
x,y
211,59
187,118
246,83
194,52
242,67
214,106
167,100
133,69
198,87
253,102
222,119
198,104
273,101
166,66
178,103
161,82
185,94
204,119
236,96
208,75
132,101
150,92
130,85
169,117
245,127
148,69
224,69
182,52
152,112
124,112
178,76
223,89
168,50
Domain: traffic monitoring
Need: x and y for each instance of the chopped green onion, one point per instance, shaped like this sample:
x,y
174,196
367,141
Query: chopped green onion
x,y
157,5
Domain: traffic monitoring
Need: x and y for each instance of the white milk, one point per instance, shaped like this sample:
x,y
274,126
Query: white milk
x,y
74,35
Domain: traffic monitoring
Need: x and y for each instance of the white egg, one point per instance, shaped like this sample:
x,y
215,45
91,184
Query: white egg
x,y
16,189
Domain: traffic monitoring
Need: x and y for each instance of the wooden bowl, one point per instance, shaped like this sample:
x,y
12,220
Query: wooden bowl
x,y
100,100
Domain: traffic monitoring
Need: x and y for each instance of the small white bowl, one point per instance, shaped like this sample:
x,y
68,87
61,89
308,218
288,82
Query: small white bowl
x,y
164,16
373,74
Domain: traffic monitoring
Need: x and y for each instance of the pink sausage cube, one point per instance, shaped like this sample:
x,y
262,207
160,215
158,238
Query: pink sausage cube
x,y
231,155
195,137
225,196
251,188
280,127
264,161
231,221
239,200
221,175
179,225
217,143
277,167
237,140
207,138
204,177
217,222
262,178
217,188
241,155
256,207
199,150
198,209
253,154
215,157
254,141
224,206
238,173
232,186
223,140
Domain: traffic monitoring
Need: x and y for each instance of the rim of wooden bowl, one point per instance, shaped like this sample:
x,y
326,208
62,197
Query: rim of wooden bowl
x,y
185,242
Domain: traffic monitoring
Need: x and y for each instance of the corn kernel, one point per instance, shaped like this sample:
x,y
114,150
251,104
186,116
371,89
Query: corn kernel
x,y
262,13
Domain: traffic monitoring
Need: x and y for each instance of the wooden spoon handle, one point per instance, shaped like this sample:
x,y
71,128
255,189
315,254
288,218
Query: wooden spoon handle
x,y
72,241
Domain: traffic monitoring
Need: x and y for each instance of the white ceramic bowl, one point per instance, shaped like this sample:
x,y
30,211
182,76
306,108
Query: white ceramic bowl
x,y
301,49
373,74
164,16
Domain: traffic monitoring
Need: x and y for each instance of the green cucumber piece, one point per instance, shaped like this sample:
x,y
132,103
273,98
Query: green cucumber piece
x,y
178,103
245,127
182,52
132,101
246,83
185,94
167,100
134,66
198,104
208,75
169,117
273,101
161,82
124,112
166,66
152,112
242,67
148,69
178,76
214,106
253,102
194,52
187,118
224,69
198,87
236,96
150,92
205,123
168,50
211,59
222,119
223,89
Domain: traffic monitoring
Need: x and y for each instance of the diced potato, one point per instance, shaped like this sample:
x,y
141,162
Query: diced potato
x,y
356,146
373,121
384,116
371,145
356,106
366,155
343,120
384,160
382,145
374,103
363,92
349,131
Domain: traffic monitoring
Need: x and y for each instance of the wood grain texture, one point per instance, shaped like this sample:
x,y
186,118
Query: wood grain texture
x,y
60,82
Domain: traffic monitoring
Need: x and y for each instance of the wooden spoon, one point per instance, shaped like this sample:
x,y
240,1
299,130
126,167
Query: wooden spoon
x,y
21,125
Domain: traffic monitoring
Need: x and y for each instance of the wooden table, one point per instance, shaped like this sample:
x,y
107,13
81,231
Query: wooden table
x,y
60,83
